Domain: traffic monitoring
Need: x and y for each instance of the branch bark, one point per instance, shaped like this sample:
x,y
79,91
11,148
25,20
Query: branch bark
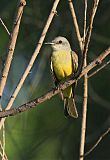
x,y
53,92
87,39
75,23
99,69
3,24
97,142
85,94
1,154
85,51
12,43
26,72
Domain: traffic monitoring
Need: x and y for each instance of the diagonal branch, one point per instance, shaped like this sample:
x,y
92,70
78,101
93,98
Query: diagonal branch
x,y
34,56
81,58
87,39
12,43
85,22
97,142
4,156
75,23
100,68
53,92
3,24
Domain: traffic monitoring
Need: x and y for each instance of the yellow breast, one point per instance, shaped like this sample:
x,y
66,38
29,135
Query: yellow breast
x,y
62,64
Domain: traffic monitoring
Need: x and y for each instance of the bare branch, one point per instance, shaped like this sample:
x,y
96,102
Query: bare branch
x,y
87,40
34,56
85,97
12,43
85,21
71,6
53,92
84,115
75,23
3,142
4,26
4,156
97,142
85,51
99,69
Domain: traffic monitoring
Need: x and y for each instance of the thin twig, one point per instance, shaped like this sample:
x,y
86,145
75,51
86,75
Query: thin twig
x,y
4,26
34,56
10,52
85,51
53,92
87,40
3,134
85,98
97,142
75,23
84,115
1,155
12,43
85,21
81,59
99,69
5,156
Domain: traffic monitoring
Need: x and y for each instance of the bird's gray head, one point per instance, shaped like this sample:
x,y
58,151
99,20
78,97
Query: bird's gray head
x,y
60,43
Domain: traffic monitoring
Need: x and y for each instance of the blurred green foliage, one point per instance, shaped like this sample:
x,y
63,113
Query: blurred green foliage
x,y
44,133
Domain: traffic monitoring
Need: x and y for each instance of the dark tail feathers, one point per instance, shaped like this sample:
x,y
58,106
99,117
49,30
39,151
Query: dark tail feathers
x,y
70,107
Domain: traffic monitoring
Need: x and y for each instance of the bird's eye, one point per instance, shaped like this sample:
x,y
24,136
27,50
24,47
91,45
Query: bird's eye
x,y
60,42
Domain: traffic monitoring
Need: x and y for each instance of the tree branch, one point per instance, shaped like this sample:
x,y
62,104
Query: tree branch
x,y
53,92
85,21
34,56
81,58
85,51
3,156
97,142
85,94
75,23
99,69
87,39
3,24
12,43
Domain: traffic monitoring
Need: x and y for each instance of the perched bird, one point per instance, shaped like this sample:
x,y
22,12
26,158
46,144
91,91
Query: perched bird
x,y
64,62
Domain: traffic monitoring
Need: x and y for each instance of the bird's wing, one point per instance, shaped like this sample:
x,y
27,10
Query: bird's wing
x,y
75,67
74,61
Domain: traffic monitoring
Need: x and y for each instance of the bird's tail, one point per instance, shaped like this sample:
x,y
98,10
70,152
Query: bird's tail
x,y
70,107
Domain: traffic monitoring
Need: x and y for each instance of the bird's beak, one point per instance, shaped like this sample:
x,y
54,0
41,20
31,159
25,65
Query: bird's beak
x,y
49,43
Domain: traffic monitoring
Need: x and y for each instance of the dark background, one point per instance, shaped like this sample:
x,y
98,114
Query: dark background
x,y
44,133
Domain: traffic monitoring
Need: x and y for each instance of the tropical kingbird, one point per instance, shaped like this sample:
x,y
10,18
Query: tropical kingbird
x,y
64,62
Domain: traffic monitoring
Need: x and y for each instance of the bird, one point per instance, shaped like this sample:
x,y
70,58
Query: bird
x,y
64,62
